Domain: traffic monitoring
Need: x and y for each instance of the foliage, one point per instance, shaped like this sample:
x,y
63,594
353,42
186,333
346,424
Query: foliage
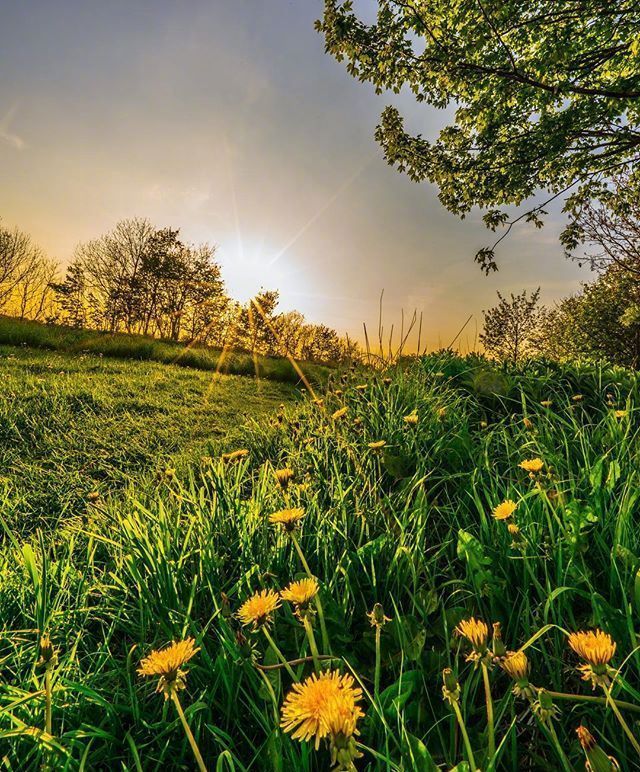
x,y
600,322
407,525
546,94
511,327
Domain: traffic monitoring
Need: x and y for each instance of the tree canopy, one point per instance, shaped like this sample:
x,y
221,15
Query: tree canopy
x,y
546,94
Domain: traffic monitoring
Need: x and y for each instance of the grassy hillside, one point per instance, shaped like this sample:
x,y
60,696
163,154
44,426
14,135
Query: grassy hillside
x,y
75,424
396,512
19,332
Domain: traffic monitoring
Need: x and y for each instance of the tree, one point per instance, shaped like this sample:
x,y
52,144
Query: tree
x,y
72,296
605,225
511,327
600,322
546,94
19,258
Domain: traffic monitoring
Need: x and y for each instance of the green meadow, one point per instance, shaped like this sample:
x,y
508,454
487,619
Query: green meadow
x,y
393,487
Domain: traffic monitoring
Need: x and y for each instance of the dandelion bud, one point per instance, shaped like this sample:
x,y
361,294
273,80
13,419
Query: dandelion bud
x,y
597,759
377,617
225,609
451,687
48,654
499,649
543,707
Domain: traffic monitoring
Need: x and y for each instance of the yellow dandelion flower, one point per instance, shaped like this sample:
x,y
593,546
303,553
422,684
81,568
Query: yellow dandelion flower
x,y
516,664
258,609
340,413
505,510
289,519
318,402
597,649
477,634
235,455
532,465
577,397
411,419
357,421
441,412
527,423
484,424
300,593
168,663
284,476
377,445
361,387
321,706
620,413
546,402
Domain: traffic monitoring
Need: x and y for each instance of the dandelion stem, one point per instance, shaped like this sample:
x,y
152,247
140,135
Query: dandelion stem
x,y
188,732
489,702
465,736
312,643
593,698
554,739
621,720
376,679
323,628
279,654
48,717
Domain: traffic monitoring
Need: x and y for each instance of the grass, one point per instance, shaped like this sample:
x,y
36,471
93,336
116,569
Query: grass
x,y
407,525
21,332
71,425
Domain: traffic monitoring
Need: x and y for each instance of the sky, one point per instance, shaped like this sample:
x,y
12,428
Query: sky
x,y
226,119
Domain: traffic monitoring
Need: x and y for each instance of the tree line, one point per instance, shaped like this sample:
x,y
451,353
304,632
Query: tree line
x,y
141,279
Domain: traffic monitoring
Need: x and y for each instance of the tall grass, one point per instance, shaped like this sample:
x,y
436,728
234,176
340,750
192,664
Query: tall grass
x,y
407,525
20,332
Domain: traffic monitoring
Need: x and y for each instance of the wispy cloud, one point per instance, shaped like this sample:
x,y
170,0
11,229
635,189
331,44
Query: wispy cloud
x,y
6,135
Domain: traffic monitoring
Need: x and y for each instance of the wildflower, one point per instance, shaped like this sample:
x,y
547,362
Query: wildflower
x,y
258,609
543,706
357,421
505,510
532,465
300,594
377,445
289,519
597,649
169,473
497,644
483,424
377,616
338,392
597,759
235,455
441,412
546,402
516,665
387,381
318,402
528,423
620,413
93,496
361,387
322,706
411,419
450,686
477,634
340,413
284,477
48,653
167,663
577,397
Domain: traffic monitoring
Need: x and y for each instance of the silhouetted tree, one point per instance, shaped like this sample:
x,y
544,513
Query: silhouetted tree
x,y
511,327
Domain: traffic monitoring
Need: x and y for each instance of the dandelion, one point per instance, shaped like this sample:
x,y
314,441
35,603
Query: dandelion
x,y
284,477
597,649
532,465
357,421
451,694
377,616
341,413
318,402
325,706
387,381
577,397
546,402
484,424
411,419
377,445
477,634
361,387
235,455
516,664
301,593
48,660
527,423
505,510
620,413
378,620
289,519
497,644
258,609
168,663
441,412
93,496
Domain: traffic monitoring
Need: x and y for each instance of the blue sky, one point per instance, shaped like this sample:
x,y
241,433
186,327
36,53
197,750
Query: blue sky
x,y
225,118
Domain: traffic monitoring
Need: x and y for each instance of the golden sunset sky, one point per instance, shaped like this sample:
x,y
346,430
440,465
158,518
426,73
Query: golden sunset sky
x,y
226,119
